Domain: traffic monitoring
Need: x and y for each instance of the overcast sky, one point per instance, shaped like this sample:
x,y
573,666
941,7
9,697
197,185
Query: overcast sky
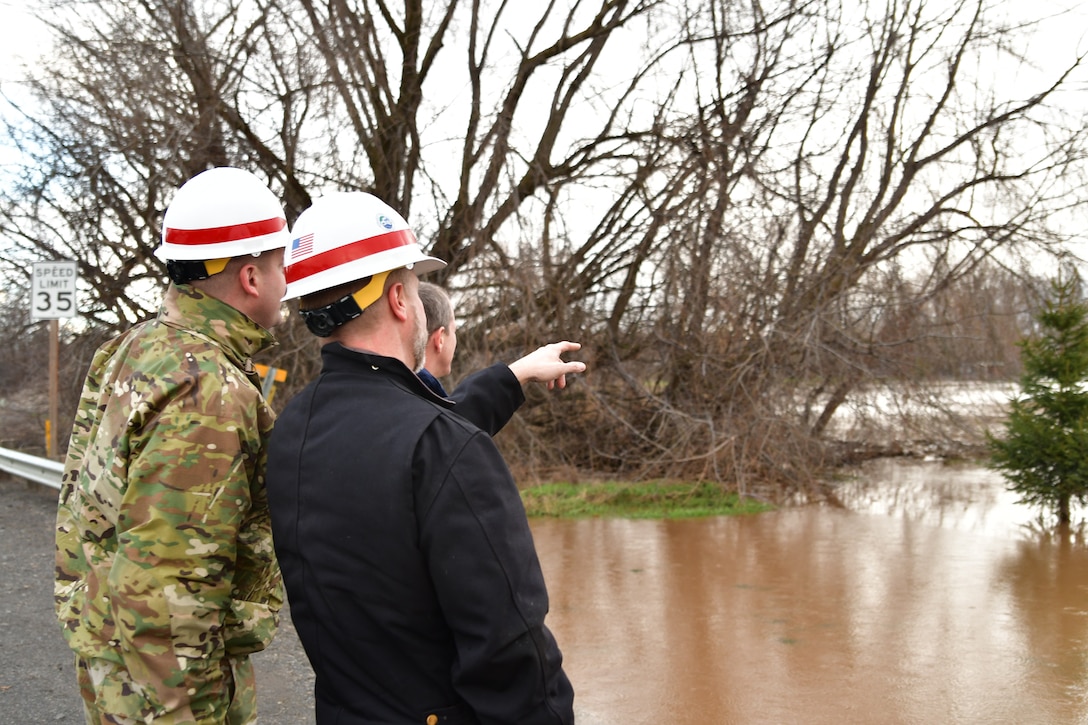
x,y
19,36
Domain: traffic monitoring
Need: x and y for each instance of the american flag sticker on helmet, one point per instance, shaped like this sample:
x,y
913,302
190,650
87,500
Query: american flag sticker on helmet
x,y
302,245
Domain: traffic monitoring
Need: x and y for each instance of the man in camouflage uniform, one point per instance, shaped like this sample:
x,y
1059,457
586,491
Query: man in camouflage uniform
x,y
166,579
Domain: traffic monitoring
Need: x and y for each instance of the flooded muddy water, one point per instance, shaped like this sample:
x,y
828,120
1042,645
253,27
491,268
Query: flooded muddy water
x,y
926,596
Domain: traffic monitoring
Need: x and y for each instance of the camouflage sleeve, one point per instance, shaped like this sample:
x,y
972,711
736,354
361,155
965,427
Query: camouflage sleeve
x,y
258,588
187,500
70,565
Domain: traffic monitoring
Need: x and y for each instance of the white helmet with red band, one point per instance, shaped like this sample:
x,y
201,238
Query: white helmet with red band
x,y
222,212
347,236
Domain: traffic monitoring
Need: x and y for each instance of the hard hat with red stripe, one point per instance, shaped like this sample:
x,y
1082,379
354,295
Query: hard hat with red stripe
x,y
344,237
347,236
218,214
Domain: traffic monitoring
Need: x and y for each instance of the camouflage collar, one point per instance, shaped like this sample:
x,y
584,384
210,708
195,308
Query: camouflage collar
x,y
186,307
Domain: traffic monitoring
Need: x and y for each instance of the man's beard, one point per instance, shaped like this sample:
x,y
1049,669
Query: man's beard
x,y
419,345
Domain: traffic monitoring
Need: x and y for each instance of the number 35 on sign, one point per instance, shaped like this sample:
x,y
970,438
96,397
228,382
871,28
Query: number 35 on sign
x,y
53,290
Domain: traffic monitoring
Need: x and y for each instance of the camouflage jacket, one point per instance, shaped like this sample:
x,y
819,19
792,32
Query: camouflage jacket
x,y
164,557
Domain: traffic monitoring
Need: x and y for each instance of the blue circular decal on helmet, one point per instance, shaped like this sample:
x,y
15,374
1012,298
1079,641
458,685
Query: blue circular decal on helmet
x,y
385,221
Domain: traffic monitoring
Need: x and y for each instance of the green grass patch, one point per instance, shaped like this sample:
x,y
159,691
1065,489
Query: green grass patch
x,y
648,500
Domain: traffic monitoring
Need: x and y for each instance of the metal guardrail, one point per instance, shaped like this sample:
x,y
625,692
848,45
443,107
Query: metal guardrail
x,y
32,468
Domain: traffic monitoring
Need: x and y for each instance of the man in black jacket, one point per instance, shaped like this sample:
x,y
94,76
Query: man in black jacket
x,y
412,576
487,397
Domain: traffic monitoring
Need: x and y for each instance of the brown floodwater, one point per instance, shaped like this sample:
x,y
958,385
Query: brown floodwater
x,y
927,595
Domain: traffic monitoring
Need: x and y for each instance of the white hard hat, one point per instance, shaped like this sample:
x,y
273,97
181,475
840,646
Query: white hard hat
x,y
348,236
222,212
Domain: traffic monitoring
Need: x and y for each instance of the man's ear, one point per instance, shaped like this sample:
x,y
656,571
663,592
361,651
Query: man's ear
x,y
438,339
397,297
248,275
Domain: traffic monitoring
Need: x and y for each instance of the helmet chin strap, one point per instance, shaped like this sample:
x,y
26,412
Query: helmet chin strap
x,y
184,271
323,320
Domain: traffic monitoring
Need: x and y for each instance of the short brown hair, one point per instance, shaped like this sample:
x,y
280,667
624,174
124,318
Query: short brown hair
x,y
322,297
436,303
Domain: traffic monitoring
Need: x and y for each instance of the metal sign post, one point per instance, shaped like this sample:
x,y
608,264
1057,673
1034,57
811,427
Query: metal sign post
x,y
52,297
54,389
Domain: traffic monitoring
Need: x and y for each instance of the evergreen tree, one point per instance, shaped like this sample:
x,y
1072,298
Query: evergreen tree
x,y
1044,452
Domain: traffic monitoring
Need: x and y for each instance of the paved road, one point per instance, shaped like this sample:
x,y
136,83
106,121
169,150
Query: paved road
x,y
37,676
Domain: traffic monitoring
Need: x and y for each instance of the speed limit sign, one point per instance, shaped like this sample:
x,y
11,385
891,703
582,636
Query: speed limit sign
x,y
53,290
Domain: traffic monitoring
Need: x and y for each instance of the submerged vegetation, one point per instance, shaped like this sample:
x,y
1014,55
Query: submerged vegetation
x,y
653,499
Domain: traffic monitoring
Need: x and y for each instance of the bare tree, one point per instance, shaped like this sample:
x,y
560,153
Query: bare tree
x,y
816,157
135,98
744,210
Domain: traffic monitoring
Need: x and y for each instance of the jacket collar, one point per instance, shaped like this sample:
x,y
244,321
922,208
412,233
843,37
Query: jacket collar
x,y
337,358
433,383
187,308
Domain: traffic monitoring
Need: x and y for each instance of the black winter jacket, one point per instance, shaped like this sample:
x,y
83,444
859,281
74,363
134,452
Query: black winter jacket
x,y
411,572
488,398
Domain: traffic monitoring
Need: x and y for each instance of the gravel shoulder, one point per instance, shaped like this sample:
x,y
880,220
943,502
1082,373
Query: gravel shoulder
x,y
37,673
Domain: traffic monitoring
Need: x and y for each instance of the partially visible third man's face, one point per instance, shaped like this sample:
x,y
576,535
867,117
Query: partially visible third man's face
x,y
444,364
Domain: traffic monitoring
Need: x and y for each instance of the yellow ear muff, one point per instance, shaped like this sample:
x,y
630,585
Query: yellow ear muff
x,y
215,266
371,291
